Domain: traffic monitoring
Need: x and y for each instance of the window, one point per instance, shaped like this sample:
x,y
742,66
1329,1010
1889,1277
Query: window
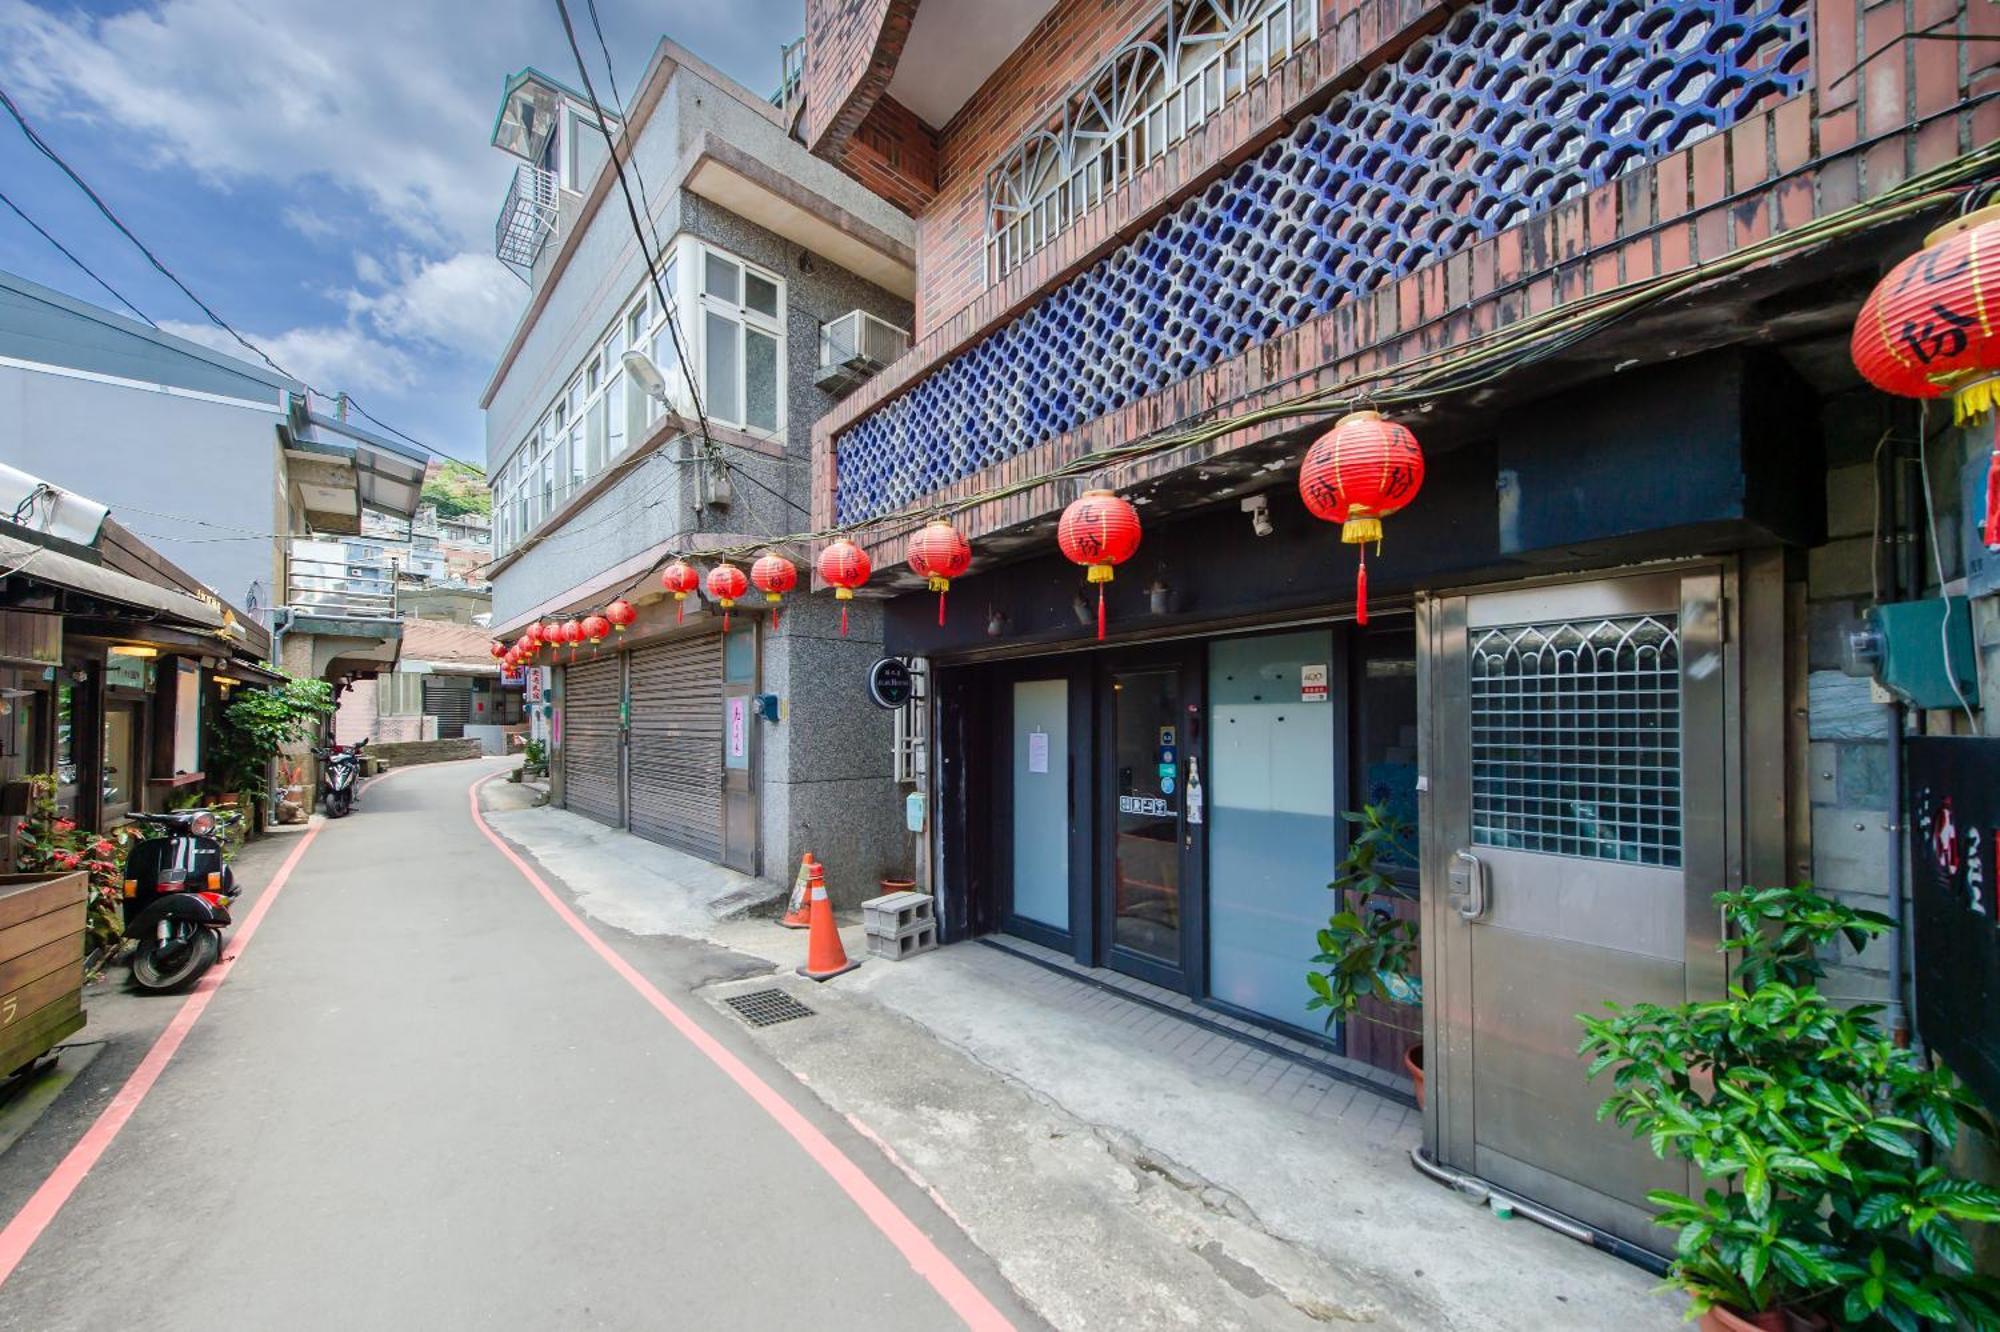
x,y
742,330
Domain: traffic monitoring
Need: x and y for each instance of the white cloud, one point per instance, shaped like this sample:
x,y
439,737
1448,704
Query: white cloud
x,y
468,302
333,357
384,98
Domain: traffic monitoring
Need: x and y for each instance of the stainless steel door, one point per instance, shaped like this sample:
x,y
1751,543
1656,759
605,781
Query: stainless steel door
x,y
1578,770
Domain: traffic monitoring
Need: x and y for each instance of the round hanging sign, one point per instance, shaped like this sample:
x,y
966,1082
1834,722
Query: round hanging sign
x,y
890,683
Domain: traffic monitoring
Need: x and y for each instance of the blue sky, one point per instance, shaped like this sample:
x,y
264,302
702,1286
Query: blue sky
x,y
320,173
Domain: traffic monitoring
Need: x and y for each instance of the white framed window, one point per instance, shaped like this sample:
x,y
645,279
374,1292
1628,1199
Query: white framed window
x,y
742,340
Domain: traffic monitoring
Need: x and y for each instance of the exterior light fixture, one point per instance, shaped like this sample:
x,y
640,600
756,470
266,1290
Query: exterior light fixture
x,y
645,374
134,650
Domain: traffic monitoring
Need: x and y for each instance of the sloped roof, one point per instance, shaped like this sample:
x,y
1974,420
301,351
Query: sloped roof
x,y
444,641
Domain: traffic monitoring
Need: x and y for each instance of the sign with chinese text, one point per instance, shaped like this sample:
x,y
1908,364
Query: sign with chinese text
x,y
1954,818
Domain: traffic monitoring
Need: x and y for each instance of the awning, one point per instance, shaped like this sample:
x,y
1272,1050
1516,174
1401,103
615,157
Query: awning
x,y
26,560
251,673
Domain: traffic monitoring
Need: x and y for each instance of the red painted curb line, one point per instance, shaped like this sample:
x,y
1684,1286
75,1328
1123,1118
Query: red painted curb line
x,y
41,1208
924,1257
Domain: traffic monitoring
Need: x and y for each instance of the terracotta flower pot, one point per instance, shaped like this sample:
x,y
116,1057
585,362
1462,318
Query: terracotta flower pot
x,y
1719,1319
1413,1061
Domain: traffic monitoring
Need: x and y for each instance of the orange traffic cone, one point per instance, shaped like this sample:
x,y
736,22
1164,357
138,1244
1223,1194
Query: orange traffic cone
x,y
825,958
798,912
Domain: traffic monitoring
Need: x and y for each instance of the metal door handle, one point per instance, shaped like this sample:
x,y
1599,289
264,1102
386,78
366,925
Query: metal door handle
x,y
1468,885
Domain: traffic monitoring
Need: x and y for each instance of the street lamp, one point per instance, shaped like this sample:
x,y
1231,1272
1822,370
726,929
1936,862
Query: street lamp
x,y
645,374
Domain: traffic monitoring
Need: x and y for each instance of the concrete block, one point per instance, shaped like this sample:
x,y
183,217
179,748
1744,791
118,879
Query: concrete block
x,y
1840,707
1863,769
894,949
897,914
1823,772
1841,568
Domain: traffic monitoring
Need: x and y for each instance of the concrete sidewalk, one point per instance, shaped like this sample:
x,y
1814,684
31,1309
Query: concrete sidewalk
x,y
1123,1165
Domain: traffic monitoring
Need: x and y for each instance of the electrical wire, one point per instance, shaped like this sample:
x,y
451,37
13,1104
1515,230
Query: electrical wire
x,y
66,253
1937,563
638,231
42,146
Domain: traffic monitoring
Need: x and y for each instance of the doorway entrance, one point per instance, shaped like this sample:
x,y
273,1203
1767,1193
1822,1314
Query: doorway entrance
x,y
1576,749
1147,729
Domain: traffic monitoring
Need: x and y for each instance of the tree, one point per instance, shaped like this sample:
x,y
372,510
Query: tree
x,y
457,489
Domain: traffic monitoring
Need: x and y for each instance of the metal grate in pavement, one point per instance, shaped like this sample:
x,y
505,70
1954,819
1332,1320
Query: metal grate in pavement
x,y
767,1008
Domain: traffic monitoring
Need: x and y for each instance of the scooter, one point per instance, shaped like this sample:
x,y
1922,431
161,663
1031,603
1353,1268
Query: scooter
x,y
339,777
177,895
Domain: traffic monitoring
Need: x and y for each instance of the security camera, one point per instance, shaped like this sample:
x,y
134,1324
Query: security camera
x,y
1259,509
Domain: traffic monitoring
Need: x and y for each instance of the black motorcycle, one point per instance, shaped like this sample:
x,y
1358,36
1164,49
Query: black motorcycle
x,y
339,777
177,895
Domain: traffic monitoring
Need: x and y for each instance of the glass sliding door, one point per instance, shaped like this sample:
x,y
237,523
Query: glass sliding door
x,y
1041,803
1273,819
1147,798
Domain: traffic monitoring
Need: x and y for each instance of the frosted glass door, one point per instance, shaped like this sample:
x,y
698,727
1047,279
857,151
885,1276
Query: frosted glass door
x,y
1272,818
1041,802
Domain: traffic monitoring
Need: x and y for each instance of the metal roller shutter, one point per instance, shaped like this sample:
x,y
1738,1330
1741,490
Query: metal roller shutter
x,y
590,739
449,699
676,745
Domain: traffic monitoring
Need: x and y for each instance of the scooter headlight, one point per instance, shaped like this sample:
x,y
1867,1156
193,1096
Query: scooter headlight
x,y
203,824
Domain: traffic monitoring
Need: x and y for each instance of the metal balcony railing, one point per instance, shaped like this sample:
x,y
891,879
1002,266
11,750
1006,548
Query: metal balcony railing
x,y
856,347
527,219
322,579
791,77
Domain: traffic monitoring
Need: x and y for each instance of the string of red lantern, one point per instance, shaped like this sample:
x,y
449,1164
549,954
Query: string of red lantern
x,y
1099,531
680,579
1927,331
845,566
620,614
725,584
939,553
774,575
1357,474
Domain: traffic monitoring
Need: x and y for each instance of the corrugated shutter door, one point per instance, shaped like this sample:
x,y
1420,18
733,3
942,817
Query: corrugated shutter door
x,y
590,738
449,699
676,755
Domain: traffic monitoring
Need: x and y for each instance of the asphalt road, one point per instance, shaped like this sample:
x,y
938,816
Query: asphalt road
x,y
422,1100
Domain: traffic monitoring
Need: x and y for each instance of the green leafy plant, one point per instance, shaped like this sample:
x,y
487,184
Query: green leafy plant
x,y
1813,1128
48,843
247,734
535,754
1365,949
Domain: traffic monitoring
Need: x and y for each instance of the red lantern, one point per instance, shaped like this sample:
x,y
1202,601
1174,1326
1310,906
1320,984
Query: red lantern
x,y
552,635
1099,531
498,649
725,584
620,614
846,566
572,634
1357,474
1927,330
595,627
775,575
532,635
938,554
680,579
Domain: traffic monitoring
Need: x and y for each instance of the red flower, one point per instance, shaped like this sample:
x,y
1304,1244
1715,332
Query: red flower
x,y
67,859
65,825
103,847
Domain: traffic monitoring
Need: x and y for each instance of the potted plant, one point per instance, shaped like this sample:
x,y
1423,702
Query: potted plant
x,y
1366,949
1815,1132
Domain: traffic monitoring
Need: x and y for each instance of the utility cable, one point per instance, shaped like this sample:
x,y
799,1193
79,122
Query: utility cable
x,y
110,215
64,250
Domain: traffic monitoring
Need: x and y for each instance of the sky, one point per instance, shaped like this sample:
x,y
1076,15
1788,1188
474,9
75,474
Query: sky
x,y
320,173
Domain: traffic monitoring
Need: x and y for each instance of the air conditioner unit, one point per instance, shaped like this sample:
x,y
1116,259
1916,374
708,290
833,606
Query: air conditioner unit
x,y
856,347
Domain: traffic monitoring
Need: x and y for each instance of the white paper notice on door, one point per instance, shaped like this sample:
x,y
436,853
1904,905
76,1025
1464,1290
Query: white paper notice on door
x,y
1312,683
1038,751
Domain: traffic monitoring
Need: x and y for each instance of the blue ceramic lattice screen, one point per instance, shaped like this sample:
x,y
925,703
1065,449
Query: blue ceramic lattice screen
x,y
1510,109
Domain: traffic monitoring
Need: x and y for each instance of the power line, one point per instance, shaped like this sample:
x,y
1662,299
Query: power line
x,y
65,251
42,146
638,231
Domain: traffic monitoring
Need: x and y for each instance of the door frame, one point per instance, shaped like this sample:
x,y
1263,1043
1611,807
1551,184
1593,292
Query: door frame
x,y
1711,605
1189,974
1075,671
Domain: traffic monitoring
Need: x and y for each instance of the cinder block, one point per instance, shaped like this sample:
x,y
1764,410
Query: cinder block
x,y
897,914
921,939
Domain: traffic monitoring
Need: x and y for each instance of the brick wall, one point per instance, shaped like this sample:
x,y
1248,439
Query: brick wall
x,y
1846,139
894,154
851,51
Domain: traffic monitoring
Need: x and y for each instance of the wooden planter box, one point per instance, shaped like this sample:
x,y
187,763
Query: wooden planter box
x,y
42,925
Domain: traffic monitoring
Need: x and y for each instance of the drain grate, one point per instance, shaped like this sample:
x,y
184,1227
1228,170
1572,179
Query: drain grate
x,y
767,1008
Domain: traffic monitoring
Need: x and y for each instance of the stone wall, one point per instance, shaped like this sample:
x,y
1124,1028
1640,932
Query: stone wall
x,y
401,754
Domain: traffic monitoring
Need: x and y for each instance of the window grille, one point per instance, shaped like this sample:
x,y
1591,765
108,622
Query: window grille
x,y
1576,739
1505,111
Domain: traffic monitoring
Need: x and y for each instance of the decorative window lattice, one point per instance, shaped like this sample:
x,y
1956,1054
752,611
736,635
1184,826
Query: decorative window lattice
x,y
1513,107
1576,739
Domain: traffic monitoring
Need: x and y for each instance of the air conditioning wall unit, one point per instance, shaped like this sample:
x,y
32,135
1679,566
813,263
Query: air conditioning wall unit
x,y
856,347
